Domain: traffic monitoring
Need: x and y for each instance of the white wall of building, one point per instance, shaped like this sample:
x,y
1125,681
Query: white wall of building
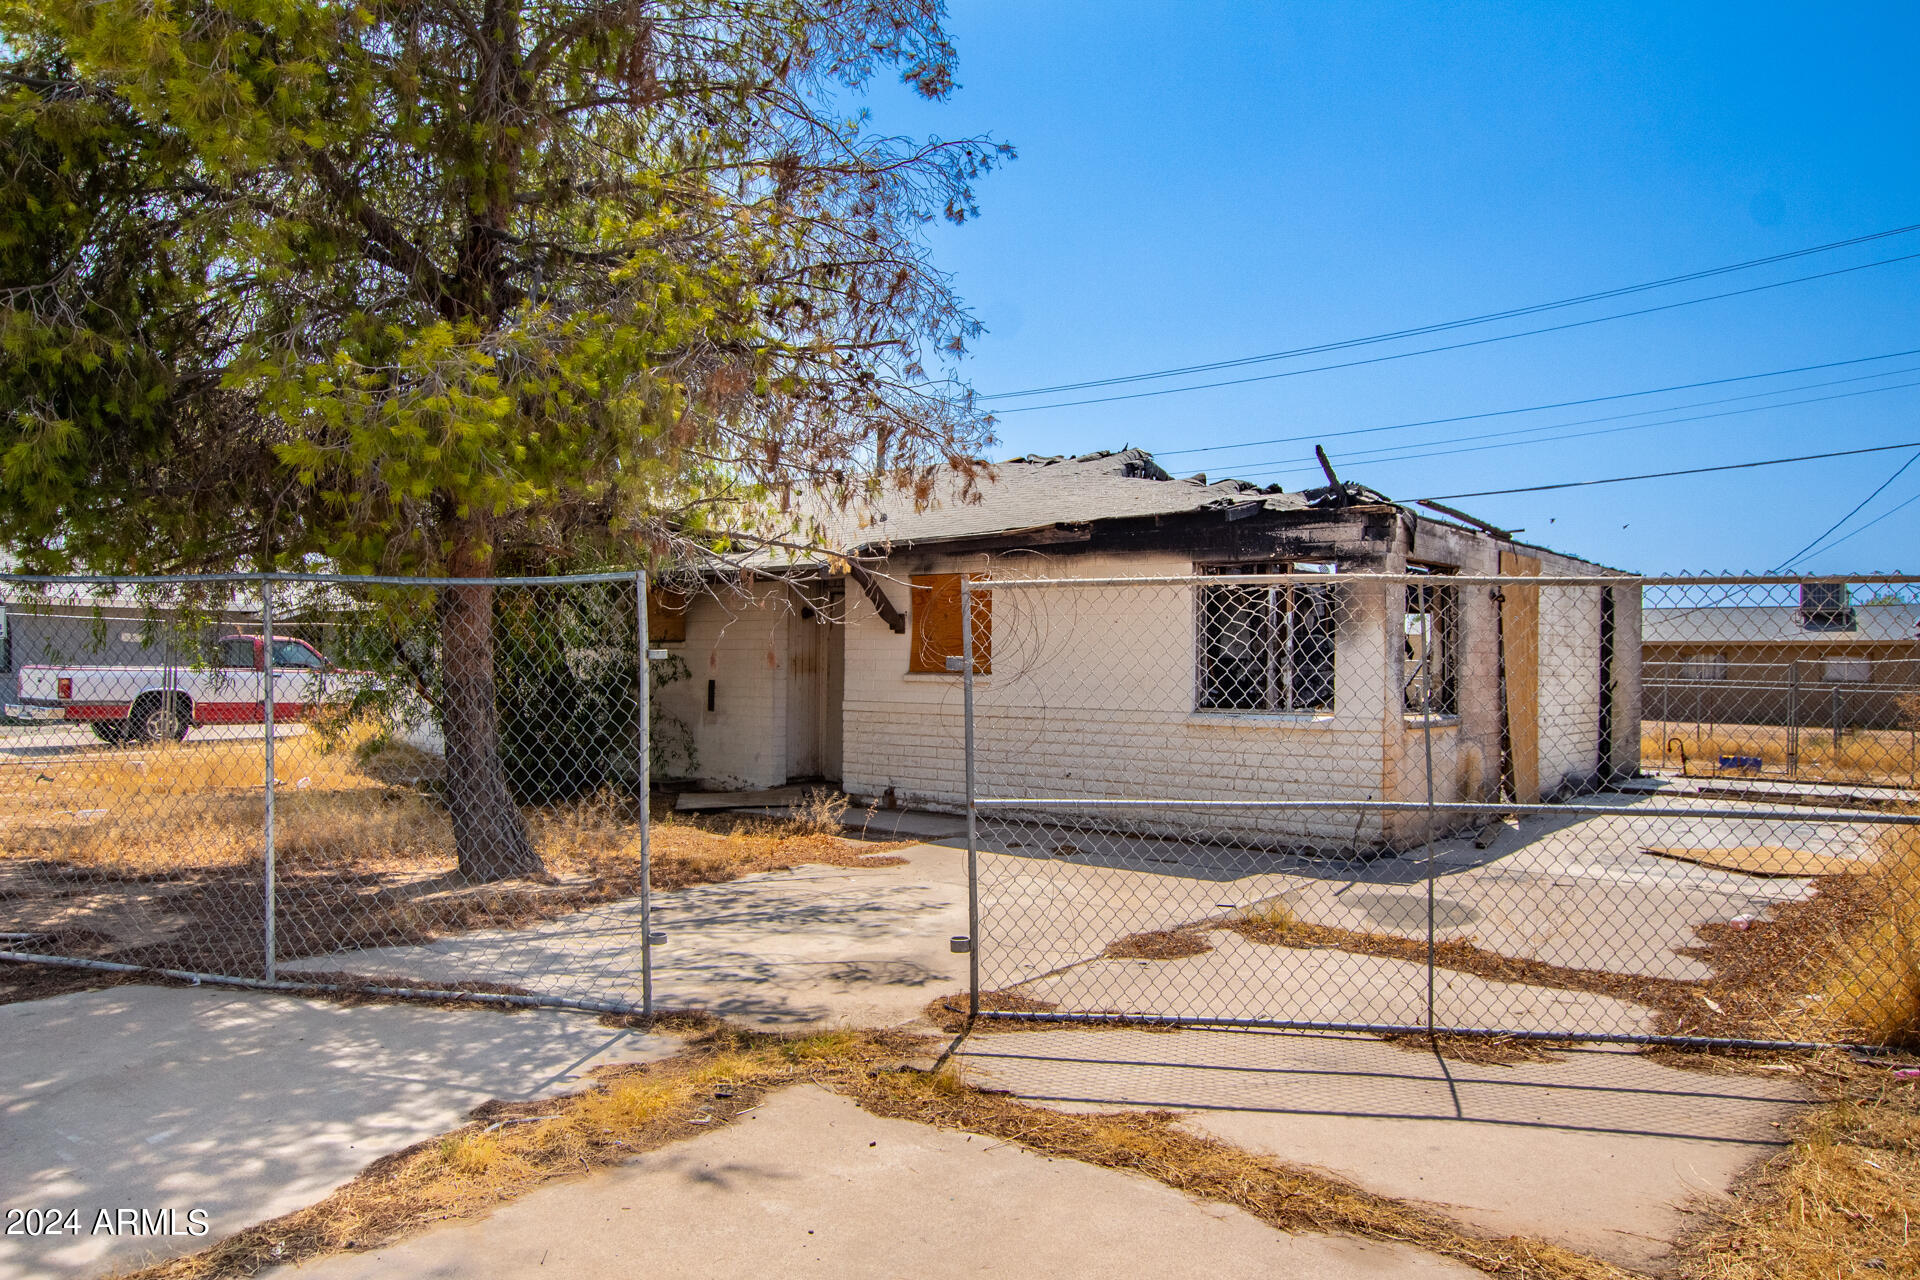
x,y
1092,695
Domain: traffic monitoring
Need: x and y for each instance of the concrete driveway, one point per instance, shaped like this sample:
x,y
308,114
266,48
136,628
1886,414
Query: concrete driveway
x,y
1602,1150
243,1105
809,1185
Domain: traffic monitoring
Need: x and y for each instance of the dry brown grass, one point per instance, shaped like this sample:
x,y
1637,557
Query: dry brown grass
x,y
1837,965
821,812
1842,1200
1158,944
1485,1051
154,858
510,1149
1886,757
1870,990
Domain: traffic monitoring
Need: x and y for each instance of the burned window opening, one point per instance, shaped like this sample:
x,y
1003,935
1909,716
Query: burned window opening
x,y
1431,635
1267,647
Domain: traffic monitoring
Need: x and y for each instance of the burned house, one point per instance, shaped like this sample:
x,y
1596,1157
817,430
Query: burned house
x,y
1202,680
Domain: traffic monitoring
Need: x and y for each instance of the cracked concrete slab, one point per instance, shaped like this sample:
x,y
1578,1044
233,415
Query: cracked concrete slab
x,y
1600,1149
808,1184
813,946
245,1105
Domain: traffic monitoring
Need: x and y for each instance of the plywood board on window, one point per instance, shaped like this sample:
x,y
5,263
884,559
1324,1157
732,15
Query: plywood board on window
x,y
666,615
936,624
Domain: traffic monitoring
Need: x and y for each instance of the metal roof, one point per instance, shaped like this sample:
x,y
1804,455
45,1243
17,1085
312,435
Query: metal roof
x,y
1889,623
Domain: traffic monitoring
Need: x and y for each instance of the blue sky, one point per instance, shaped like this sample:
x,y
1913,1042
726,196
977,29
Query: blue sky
x,y
1205,181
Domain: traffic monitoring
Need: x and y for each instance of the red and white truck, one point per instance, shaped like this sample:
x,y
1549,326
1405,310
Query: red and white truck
x,y
153,703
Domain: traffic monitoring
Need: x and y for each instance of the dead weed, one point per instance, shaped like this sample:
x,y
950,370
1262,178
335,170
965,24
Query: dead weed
x,y
1842,1200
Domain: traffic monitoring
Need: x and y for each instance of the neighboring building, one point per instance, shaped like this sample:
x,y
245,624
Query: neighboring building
x,y
112,632
1197,695
1823,663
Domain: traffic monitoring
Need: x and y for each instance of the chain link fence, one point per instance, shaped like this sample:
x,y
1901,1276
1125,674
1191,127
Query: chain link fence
x,y
369,784
1605,808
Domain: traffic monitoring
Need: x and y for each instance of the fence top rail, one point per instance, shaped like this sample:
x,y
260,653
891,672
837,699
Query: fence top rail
x,y
333,579
1450,579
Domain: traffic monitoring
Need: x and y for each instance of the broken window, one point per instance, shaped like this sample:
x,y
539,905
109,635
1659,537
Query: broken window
x,y
1267,646
1431,633
936,623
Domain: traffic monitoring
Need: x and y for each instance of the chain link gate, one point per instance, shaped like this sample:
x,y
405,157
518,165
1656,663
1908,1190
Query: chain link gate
x,y
401,786
1438,802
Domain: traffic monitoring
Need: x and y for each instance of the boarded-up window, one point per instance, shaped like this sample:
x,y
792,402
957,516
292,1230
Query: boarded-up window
x,y
666,615
936,623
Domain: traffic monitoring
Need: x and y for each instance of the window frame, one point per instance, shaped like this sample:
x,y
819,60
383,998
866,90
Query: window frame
x,y
1282,674
1829,666
282,645
924,656
1702,668
219,654
1445,627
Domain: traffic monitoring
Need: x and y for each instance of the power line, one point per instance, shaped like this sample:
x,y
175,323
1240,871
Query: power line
x,y
1818,538
1662,475
1845,537
1461,346
1444,325
1390,454
1541,408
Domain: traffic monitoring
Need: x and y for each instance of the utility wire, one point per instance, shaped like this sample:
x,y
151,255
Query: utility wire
x,y
1461,346
1392,454
1816,541
1662,475
1396,453
1558,404
1442,326
1845,537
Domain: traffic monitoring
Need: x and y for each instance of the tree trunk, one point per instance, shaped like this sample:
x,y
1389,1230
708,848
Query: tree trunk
x,y
488,832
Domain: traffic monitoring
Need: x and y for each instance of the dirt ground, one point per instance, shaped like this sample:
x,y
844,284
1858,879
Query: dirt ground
x,y
154,856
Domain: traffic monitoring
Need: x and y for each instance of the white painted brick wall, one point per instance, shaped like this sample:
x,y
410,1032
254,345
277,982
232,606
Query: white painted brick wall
x,y
1092,695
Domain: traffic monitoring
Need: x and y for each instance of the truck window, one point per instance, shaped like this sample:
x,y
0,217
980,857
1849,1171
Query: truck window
x,y
236,653
291,653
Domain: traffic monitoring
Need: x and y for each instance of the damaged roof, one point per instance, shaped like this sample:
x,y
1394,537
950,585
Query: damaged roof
x,y
1041,496
1036,492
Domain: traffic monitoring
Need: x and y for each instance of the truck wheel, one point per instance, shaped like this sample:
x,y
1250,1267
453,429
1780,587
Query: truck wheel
x,y
160,719
111,732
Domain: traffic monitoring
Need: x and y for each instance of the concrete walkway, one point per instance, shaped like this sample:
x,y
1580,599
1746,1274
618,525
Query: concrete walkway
x,y
243,1105
787,950
810,1185
1599,1149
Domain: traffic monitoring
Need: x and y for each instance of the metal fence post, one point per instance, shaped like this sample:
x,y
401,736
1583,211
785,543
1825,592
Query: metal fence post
x,y
266,719
973,847
1426,738
644,767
